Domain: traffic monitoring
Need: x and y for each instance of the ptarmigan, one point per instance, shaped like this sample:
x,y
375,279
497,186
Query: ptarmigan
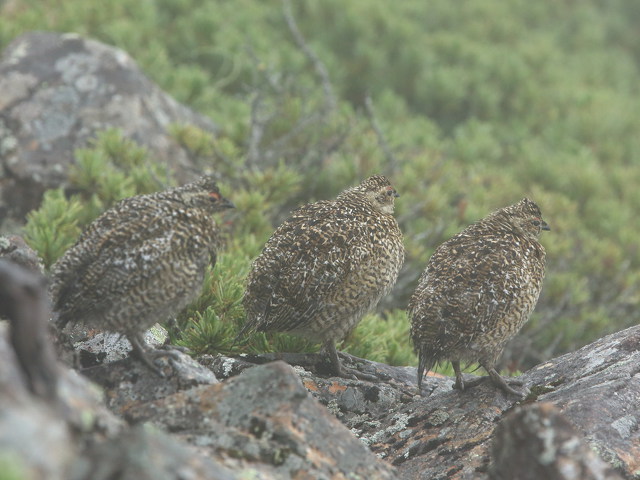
x,y
140,262
477,291
326,266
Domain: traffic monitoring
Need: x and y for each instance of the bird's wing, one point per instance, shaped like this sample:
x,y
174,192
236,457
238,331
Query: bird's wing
x,y
307,259
121,247
462,281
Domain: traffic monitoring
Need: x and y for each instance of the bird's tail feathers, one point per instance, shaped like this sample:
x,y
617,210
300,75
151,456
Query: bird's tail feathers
x,y
246,329
426,361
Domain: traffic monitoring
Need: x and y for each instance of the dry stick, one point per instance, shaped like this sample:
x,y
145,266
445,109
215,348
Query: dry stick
x,y
256,132
321,71
382,142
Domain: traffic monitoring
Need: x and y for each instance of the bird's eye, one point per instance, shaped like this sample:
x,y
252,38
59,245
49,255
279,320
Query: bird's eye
x,y
536,223
389,191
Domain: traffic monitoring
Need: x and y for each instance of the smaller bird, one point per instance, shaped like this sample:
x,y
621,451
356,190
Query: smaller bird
x,y
478,290
326,266
140,262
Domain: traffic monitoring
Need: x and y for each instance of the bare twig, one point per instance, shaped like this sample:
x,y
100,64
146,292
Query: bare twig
x,y
256,131
320,69
382,142
273,78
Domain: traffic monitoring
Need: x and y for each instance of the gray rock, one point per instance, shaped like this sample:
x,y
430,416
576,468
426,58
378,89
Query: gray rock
x,y
128,381
265,420
14,249
23,300
597,389
94,347
444,432
35,440
58,90
145,454
536,441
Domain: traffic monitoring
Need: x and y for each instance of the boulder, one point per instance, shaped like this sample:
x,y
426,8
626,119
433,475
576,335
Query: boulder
x,y
58,90
264,420
536,441
448,434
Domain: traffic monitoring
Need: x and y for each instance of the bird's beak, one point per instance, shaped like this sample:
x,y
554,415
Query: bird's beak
x,y
545,226
227,203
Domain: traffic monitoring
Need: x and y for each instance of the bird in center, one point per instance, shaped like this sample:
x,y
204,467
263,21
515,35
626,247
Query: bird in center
x,y
326,266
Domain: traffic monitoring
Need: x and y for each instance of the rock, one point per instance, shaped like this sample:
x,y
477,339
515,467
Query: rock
x,y
144,454
24,301
264,420
78,438
35,439
448,434
58,90
106,347
14,249
128,382
537,441
94,347
40,436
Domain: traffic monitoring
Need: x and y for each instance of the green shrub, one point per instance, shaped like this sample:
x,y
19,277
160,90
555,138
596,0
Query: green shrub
x,y
53,228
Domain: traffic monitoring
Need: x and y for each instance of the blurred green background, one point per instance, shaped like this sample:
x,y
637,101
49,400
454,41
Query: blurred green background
x,y
467,106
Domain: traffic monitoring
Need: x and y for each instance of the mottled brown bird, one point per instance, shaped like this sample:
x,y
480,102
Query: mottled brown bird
x,y
477,291
140,262
326,266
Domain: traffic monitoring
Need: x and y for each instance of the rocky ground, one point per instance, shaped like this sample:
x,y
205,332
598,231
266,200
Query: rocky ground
x,y
260,417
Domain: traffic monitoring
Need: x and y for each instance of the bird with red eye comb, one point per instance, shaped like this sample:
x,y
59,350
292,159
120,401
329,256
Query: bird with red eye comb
x,y
140,262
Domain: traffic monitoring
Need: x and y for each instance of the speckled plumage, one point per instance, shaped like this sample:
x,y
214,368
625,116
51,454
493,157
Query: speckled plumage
x,y
140,262
327,265
478,290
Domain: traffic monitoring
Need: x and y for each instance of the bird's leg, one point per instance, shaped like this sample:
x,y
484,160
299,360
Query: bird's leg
x,y
500,382
459,381
494,376
339,369
145,356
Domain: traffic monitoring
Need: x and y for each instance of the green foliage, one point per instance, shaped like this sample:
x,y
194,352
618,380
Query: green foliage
x,y
479,103
382,339
113,168
53,228
12,467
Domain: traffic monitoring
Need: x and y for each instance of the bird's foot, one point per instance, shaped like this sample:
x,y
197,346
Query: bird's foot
x,y
353,374
148,357
340,370
462,385
503,384
497,380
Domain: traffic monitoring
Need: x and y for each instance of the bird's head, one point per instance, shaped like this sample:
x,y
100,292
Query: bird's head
x,y
379,192
204,193
526,218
